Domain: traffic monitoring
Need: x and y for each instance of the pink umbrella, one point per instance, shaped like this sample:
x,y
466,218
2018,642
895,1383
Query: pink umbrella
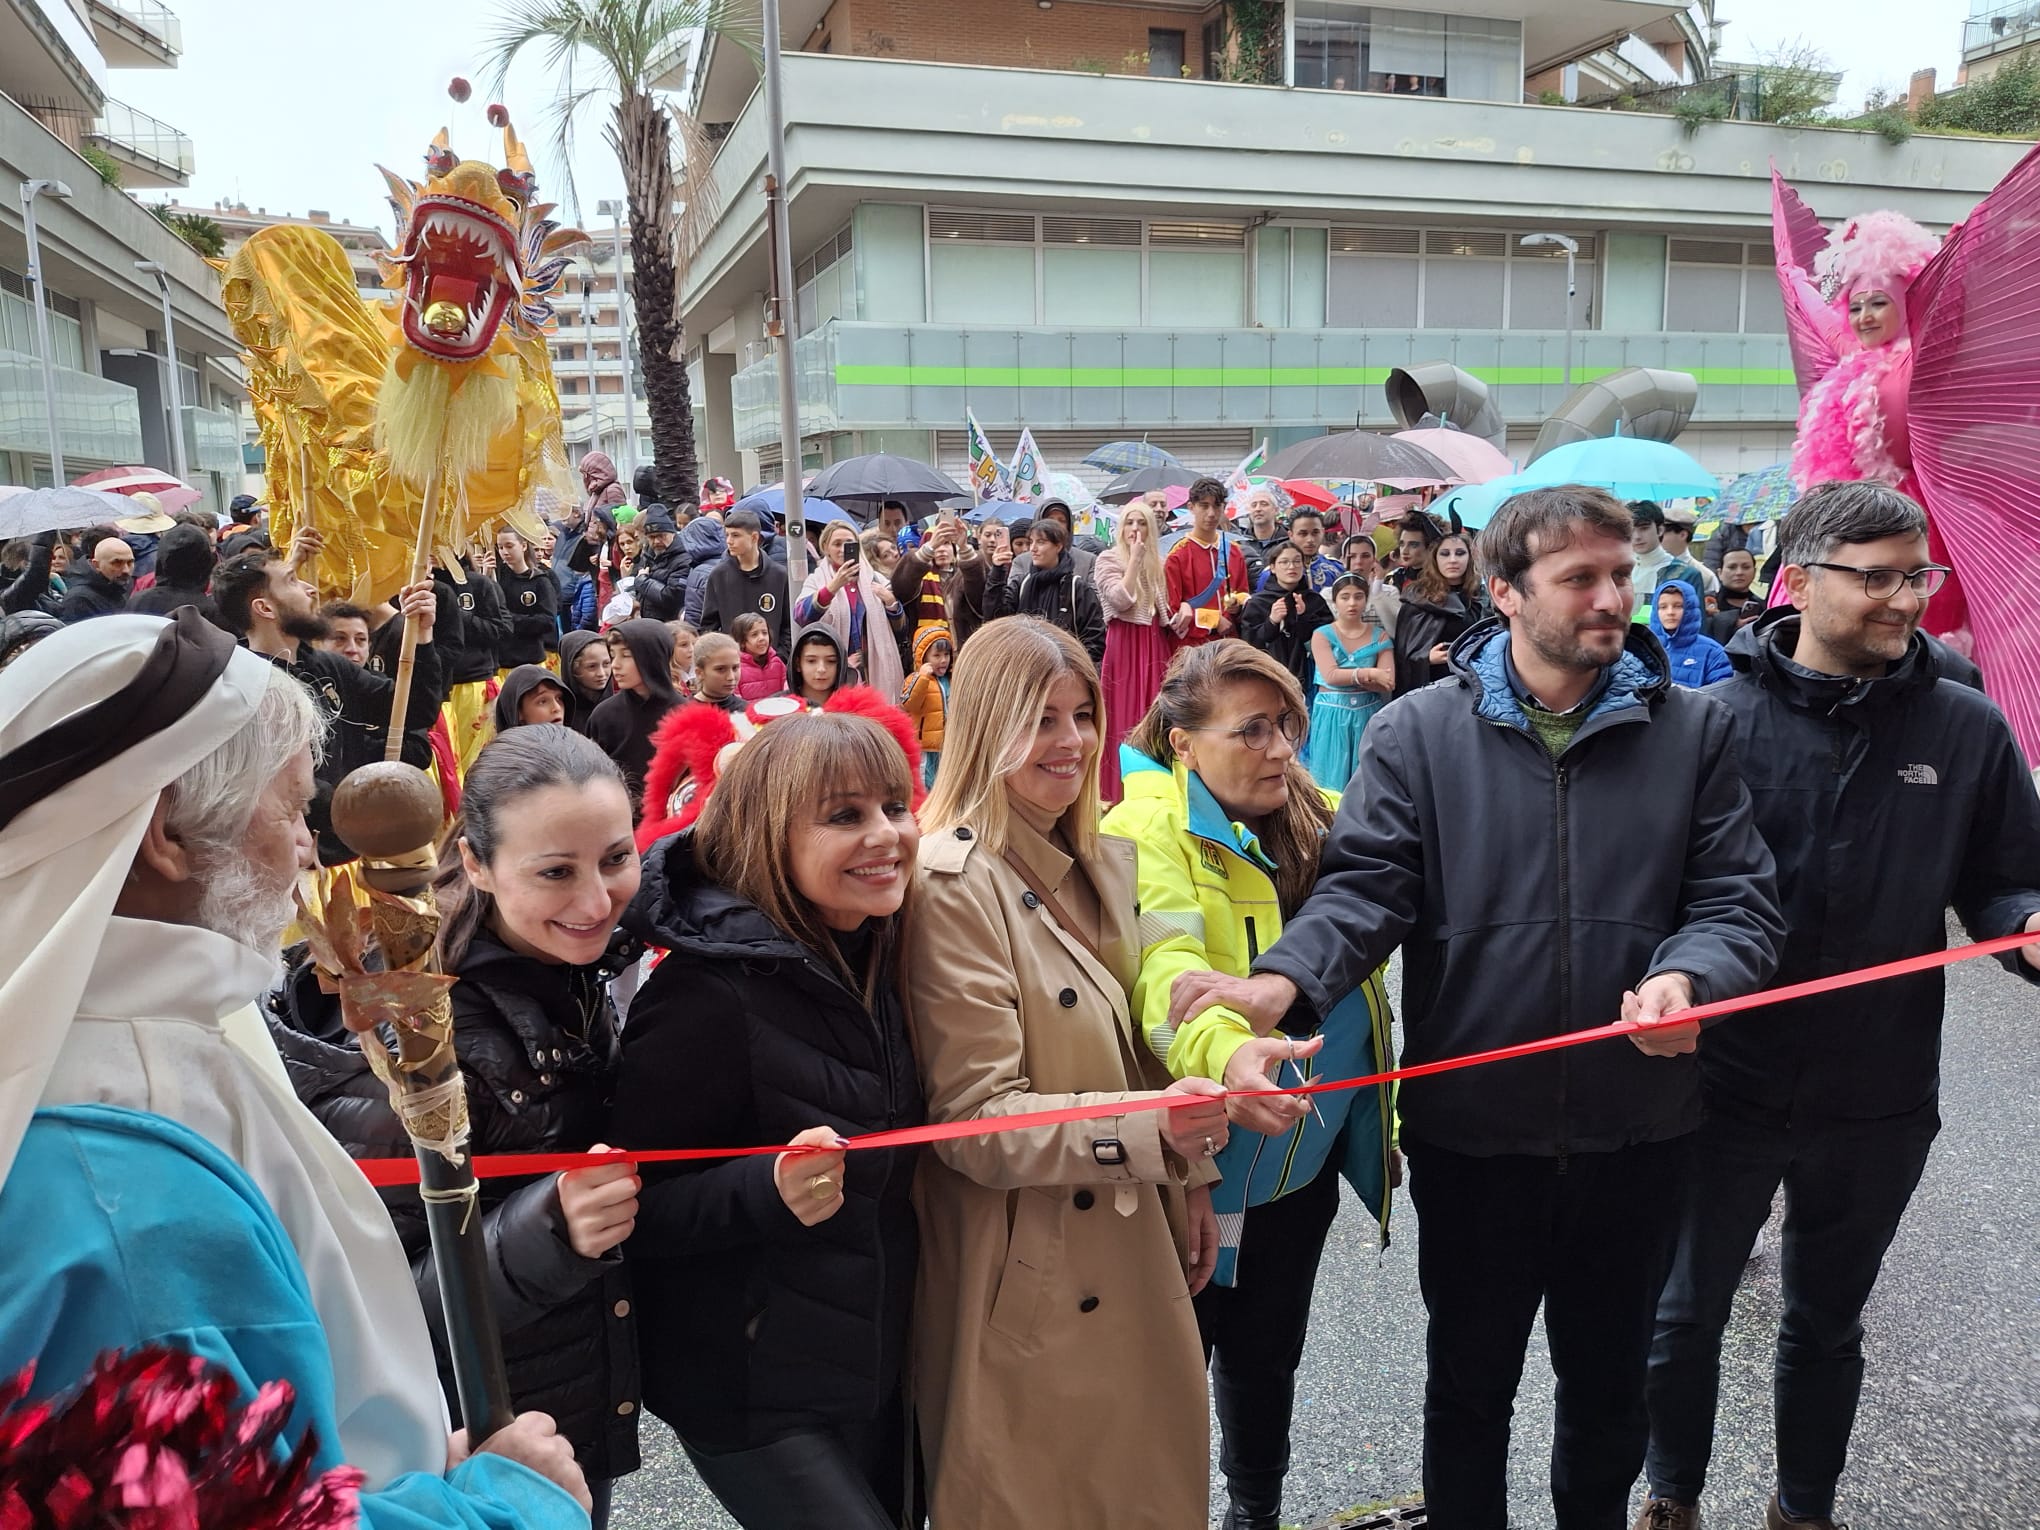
x,y
171,493
1471,458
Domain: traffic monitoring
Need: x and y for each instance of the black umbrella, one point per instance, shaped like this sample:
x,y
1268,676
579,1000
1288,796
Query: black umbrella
x,y
1360,456
1130,486
882,476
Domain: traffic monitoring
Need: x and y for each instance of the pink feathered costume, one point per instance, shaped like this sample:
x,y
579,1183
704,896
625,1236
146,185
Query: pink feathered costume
x,y
1948,412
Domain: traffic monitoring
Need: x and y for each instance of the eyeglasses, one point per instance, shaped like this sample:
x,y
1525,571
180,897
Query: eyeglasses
x,y
1260,733
1883,583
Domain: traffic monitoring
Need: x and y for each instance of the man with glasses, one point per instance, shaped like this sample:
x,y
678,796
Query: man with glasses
x,y
1887,792
1499,832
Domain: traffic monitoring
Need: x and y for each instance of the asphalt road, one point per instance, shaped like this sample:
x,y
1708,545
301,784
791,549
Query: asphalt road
x,y
1949,1432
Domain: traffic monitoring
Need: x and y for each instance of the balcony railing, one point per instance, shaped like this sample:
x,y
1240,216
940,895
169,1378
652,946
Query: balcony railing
x,y
212,440
149,27
854,376
144,146
100,419
2008,26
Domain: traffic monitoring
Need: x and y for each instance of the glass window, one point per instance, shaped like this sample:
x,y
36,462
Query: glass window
x,y
1483,59
1537,293
1463,294
1205,289
1341,46
1703,299
1763,305
981,284
1372,292
1328,45
1090,287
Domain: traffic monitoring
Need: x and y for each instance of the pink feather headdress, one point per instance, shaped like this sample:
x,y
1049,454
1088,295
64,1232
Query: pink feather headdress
x,y
1876,251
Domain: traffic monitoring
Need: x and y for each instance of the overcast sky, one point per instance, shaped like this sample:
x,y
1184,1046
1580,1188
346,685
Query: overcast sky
x,y
296,115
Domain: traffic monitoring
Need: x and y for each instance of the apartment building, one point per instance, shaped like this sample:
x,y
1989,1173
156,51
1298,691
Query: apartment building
x,y
112,398
1995,34
1046,227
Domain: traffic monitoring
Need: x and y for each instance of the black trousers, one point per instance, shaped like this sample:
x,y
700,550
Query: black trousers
x,y
844,1479
1590,1238
1253,1334
1847,1184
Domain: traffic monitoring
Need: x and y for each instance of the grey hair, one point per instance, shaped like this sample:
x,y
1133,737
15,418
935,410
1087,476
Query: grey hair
x,y
210,805
1841,514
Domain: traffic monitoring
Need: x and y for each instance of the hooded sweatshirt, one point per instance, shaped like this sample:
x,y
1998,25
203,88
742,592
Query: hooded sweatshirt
x,y
1697,659
184,567
581,701
706,547
810,637
521,682
623,725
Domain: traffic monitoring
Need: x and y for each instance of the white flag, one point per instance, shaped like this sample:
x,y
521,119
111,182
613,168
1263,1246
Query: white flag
x,y
989,477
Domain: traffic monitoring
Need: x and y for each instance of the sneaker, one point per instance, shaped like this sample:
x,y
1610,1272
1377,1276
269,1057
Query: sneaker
x,y
1667,1514
1776,1518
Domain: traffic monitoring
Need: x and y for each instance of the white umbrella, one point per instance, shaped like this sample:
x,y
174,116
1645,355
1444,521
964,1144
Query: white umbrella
x,y
27,512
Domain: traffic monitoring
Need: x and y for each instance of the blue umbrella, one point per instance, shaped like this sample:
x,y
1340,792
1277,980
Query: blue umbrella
x,y
1125,456
1476,503
1626,466
1011,511
772,501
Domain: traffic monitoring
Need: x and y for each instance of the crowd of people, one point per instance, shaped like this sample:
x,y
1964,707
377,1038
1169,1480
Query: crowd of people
x,y
983,821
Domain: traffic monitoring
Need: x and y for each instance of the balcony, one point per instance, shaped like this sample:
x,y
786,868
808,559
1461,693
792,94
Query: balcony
x,y
152,155
923,377
212,440
100,420
137,34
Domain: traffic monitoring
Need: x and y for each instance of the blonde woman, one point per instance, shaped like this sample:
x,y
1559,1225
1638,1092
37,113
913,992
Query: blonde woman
x,y
1057,1370
1138,641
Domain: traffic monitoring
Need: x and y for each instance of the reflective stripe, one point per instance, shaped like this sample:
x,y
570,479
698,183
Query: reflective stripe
x,y
1156,929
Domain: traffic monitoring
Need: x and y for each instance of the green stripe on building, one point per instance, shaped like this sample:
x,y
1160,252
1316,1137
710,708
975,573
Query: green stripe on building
x,y
854,375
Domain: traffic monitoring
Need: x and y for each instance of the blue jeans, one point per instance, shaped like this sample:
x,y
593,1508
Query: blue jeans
x,y
1846,1186
1589,1238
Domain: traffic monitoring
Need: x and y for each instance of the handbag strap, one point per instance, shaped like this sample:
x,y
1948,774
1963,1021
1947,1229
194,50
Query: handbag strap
x,y
1049,901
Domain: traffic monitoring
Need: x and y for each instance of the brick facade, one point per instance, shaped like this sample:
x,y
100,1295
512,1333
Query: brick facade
x,y
1070,34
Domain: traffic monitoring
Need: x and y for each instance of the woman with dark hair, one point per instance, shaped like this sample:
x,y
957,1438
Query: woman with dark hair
x,y
1284,613
537,870
1229,826
640,661
773,1291
585,667
531,596
1437,606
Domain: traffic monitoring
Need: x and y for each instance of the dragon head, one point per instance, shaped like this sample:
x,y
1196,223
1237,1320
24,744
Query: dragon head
x,y
474,250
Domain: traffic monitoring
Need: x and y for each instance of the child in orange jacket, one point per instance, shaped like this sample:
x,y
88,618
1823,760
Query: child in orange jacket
x,y
926,697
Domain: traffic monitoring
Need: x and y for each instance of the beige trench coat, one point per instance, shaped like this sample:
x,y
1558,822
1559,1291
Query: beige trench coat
x,y
1058,1372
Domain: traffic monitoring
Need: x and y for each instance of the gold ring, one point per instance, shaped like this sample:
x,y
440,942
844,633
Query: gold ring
x,y
821,1187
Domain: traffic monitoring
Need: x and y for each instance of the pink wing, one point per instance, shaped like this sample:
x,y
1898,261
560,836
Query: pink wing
x,y
1974,413
1811,324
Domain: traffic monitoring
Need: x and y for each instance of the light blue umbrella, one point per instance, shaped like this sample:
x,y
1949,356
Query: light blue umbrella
x,y
1476,503
771,501
1626,466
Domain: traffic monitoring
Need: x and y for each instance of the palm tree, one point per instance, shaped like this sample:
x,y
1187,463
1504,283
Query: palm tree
x,y
627,44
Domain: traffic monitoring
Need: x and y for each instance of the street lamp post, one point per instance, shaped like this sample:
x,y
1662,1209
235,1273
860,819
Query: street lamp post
x,y
614,211
588,328
176,388
30,190
779,221
1572,250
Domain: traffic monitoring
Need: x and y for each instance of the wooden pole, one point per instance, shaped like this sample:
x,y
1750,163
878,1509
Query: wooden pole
x,y
407,656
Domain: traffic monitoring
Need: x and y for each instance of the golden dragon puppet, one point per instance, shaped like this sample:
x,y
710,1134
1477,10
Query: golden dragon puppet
x,y
447,396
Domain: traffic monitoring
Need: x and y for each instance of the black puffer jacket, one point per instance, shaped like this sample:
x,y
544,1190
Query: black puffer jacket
x,y
1885,801
538,1051
1287,642
1527,893
750,1324
662,581
1064,596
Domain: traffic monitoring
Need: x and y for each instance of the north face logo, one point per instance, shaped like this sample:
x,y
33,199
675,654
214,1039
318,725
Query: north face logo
x,y
1919,775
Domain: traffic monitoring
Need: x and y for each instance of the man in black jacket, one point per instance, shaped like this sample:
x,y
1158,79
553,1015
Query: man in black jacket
x,y
1560,838
1888,792
184,566
662,571
273,611
102,587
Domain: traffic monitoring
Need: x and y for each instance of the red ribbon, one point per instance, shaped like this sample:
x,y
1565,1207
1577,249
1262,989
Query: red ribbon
x,y
404,1171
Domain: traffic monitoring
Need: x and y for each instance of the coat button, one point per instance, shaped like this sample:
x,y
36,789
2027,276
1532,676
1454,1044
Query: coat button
x,y
1085,1200
517,1097
1088,1304
1067,998
1030,900
621,1309
545,1078
626,1408
962,833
